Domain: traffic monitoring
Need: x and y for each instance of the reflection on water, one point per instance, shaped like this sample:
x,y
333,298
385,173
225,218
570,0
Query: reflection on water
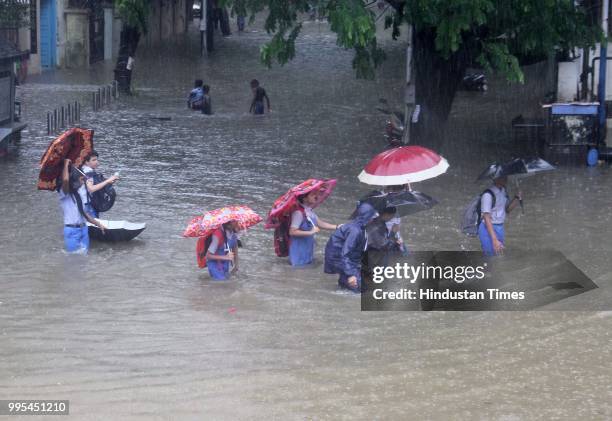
x,y
138,330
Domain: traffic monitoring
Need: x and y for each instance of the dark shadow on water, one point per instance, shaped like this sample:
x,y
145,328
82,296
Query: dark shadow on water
x,y
118,246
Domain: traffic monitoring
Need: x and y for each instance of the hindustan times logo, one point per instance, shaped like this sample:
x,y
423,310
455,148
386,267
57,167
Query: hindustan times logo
x,y
412,273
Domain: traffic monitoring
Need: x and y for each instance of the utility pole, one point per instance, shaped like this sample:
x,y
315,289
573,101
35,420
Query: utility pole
x,y
210,29
411,109
203,16
603,60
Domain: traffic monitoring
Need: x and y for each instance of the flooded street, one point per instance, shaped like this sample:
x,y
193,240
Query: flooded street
x,y
136,330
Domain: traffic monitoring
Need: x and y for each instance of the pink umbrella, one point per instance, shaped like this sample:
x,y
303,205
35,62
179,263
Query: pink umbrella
x,y
204,225
403,165
287,203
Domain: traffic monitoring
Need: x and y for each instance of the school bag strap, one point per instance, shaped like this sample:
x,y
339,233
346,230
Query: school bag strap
x,y
492,197
203,245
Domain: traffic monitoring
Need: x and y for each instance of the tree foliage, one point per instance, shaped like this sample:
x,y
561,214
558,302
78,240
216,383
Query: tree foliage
x,y
14,14
497,34
134,13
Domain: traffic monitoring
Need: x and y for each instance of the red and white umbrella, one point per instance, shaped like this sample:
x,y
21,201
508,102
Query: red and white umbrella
x,y
403,165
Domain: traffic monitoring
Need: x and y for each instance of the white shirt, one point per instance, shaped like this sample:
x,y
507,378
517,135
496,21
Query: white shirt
x,y
394,221
72,216
498,212
297,217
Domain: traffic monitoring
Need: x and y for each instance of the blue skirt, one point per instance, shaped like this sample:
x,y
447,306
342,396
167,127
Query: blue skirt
x,y
486,242
301,250
218,269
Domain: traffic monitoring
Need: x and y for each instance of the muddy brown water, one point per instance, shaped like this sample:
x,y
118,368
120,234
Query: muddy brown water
x,y
136,330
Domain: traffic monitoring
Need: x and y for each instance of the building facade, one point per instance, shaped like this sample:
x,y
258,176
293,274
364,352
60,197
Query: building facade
x,y
77,33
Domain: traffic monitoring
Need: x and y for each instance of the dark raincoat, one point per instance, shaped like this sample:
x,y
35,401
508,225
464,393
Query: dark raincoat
x,y
346,246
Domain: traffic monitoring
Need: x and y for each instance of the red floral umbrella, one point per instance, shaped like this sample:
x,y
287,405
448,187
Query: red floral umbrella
x,y
403,165
287,203
74,144
204,225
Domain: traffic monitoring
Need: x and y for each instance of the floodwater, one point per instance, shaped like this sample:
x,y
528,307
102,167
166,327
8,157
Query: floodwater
x,y
136,330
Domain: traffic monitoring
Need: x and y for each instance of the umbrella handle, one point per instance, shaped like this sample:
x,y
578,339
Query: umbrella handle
x,y
227,249
81,172
516,182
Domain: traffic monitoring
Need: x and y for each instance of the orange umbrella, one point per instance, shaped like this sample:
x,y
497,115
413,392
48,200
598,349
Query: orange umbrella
x,y
74,144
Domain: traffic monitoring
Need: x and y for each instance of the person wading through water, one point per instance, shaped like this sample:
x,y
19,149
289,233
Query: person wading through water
x,y
494,206
72,195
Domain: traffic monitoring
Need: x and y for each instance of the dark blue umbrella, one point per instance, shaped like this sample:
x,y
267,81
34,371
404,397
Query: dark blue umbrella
x,y
405,202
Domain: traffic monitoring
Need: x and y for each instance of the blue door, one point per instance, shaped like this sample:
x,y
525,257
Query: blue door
x,y
47,34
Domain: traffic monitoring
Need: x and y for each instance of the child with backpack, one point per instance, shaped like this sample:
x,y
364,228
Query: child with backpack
x,y
96,184
303,227
486,215
219,251
196,95
72,195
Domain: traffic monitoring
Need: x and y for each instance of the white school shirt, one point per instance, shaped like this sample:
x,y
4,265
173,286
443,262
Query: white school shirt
x,y
498,212
70,209
297,217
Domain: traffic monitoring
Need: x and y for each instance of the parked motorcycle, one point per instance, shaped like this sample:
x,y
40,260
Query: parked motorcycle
x,y
394,130
474,82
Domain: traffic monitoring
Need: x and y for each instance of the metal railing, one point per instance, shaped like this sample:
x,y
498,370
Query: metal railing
x,y
104,95
63,117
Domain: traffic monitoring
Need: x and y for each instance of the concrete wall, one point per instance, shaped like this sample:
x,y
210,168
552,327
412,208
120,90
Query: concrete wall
x,y
167,19
108,33
569,76
76,47
568,79
117,24
61,6
25,43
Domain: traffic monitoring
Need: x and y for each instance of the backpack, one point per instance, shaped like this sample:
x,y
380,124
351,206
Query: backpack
x,y
203,245
103,199
473,214
281,236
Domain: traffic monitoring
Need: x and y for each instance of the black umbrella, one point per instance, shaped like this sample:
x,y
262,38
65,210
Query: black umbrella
x,y
521,167
116,231
496,170
405,202
518,167
536,165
